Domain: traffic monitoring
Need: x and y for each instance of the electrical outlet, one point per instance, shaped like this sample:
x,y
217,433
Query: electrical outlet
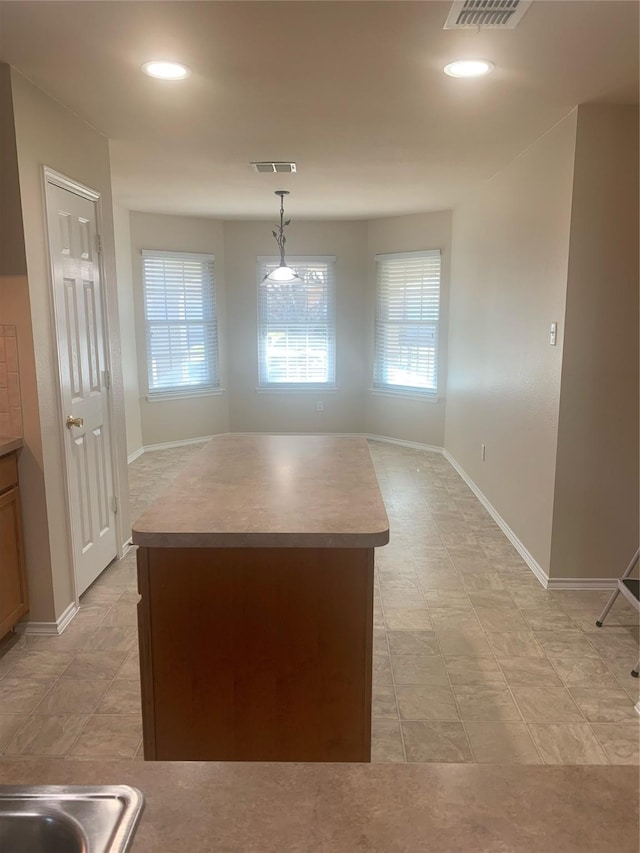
x,y
483,452
319,406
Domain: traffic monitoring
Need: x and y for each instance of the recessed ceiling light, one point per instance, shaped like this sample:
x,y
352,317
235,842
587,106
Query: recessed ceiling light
x,y
166,70
468,68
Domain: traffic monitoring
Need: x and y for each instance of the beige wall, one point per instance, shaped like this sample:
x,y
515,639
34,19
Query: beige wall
x,y
47,134
126,314
186,417
595,519
288,411
15,308
408,418
508,284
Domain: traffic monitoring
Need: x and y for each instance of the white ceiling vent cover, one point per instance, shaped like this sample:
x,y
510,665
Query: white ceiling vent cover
x,y
270,167
486,14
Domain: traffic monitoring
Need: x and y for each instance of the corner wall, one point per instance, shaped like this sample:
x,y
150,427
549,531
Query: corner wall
x,y
126,315
509,272
48,134
595,516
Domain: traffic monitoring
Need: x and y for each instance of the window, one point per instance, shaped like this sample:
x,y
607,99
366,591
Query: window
x,y
181,323
406,332
296,326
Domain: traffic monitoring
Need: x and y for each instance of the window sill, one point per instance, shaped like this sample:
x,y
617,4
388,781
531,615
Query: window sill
x,y
290,389
406,395
162,397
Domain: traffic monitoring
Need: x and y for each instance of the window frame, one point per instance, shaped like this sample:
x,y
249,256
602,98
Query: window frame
x,y
212,386
386,388
264,386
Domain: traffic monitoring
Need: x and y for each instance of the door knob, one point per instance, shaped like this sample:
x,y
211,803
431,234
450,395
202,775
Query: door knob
x,y
77,422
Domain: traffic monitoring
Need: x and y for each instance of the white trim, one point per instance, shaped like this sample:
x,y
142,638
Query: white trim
x,y
582,583
526,555
167,445
420,396
161,253
135,455
49,628
283,388
400,256
297,259
181,394
636,708
430,448
126,547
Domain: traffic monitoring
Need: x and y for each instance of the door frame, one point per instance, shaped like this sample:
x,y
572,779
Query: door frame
x,y
57,179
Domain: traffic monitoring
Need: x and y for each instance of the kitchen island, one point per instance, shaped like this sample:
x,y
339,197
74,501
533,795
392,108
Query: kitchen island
x,y
256,617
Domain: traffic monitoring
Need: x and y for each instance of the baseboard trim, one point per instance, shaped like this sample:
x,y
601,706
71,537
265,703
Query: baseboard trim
x,y
430,448
148,448
167,445
135,455
582,583
49,628
526,555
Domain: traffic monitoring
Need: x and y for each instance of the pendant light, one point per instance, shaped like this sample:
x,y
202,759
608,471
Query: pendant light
x,y
282,274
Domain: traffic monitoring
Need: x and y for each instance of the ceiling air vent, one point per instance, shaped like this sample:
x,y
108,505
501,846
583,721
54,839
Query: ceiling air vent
x,y
270,167
486,14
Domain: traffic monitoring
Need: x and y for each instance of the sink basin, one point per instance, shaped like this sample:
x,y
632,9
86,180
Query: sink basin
x,y
69,819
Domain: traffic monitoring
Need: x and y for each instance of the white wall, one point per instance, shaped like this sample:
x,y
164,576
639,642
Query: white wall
x,y
595,520
508,284
186,417
288,411
397,416
126,313
47,134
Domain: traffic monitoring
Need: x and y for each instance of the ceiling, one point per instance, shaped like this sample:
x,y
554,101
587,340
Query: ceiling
x,y
352,91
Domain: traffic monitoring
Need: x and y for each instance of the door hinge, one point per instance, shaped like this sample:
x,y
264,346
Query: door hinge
x,y
99,244
106,378
114,504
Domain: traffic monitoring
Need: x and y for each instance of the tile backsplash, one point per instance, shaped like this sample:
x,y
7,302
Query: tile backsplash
x,y
10,402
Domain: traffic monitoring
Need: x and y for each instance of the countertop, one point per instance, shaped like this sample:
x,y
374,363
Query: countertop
x,y
271,491
379,808
8,444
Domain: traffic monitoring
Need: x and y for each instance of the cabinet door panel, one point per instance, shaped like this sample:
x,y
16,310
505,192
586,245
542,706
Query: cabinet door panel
x,y
13,589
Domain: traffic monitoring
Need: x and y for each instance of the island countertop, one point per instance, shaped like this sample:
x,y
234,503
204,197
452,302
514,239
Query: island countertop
x,y
271,491
200,807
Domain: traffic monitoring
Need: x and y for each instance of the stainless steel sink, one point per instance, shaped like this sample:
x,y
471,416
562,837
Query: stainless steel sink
x,y
57,819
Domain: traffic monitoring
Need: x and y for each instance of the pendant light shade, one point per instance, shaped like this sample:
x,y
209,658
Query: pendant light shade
x,y
282,274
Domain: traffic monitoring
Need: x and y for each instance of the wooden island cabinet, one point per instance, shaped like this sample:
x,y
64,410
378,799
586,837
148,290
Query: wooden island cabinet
x,y
14,600
256,615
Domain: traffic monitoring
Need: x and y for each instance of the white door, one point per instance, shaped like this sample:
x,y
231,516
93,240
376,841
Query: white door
x,y
73,243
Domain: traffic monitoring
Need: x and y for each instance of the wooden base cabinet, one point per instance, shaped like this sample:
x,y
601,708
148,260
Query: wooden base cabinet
x,y
14,602
256,654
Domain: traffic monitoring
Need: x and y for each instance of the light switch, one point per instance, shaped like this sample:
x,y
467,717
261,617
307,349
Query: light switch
x,y
553,334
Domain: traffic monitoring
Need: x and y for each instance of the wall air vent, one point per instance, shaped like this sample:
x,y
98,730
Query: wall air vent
x,y
271,167
486,14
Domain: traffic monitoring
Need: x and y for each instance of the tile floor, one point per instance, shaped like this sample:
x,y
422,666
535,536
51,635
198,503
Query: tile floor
x,y
473,660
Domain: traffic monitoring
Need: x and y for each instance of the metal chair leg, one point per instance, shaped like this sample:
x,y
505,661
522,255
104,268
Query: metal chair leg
x,y
615,593
636,670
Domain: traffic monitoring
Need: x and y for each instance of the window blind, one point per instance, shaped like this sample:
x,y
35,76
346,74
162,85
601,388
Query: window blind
x,y
296,325
181,322
407,314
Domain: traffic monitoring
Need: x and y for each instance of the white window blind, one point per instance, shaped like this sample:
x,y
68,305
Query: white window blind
x,y
406,331
181,322
296,325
